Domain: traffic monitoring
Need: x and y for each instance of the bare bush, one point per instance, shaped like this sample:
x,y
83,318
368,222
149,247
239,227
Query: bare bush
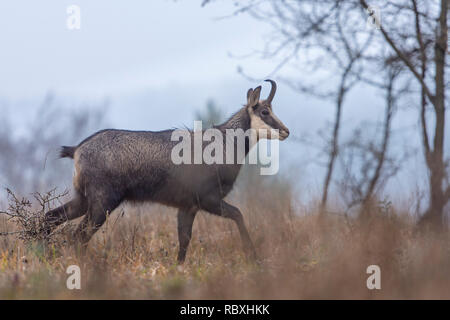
x,y
29,218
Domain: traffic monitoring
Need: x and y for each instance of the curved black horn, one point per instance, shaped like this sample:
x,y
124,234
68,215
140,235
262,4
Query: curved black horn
x,y
272,91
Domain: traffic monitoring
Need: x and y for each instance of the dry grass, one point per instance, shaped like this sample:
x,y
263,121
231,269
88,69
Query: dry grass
x,y
302,257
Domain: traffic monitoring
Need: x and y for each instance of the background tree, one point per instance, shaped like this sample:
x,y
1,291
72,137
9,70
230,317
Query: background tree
x,y
29,158
211,115
322,38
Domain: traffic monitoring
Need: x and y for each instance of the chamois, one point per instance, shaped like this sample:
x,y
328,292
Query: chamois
x,y
112,166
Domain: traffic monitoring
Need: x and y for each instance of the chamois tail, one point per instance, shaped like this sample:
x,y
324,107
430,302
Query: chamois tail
x,y
67,152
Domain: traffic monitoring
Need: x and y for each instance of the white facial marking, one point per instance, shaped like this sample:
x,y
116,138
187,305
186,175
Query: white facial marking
x,y
257,124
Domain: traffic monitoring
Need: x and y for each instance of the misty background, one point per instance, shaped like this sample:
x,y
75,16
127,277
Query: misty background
x,y
154,65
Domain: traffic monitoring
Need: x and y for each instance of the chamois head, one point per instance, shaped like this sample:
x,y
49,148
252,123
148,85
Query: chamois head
x,y
261,114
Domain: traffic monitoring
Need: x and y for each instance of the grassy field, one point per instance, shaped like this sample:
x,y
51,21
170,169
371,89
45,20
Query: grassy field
x,y
302,256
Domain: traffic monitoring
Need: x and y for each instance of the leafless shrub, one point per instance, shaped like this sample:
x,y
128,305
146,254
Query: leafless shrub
x,y
30,218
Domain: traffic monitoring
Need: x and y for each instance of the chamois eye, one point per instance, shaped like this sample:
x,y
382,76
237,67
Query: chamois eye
x,y
265,113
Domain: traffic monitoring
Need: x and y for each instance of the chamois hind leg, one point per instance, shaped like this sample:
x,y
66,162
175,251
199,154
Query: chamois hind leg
x,y
185,222
98,208
70,210
221,208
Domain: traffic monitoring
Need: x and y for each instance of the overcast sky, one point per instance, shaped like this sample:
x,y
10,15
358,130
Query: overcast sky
x,y
159,58
156,62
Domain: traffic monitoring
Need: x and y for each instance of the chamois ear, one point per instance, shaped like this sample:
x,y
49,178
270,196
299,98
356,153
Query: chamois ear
x,y
249,94
254,97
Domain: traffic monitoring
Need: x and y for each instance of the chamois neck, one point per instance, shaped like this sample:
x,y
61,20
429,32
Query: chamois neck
x,y
239,120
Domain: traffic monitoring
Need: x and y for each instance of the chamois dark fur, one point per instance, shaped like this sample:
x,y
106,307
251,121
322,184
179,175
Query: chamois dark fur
x,y
112,166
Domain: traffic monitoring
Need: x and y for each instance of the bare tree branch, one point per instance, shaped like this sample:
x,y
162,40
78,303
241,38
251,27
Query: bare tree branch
x,y
402,56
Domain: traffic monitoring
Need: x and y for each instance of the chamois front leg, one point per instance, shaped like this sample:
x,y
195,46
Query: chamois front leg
x,y
223,209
